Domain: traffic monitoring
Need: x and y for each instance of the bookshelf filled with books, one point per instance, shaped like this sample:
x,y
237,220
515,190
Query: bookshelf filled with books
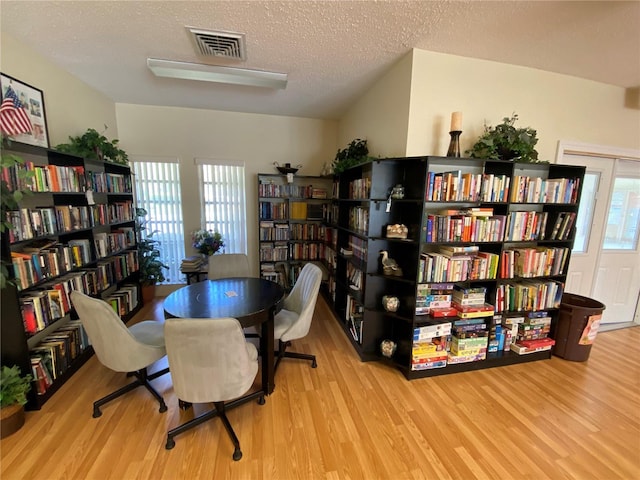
x,y
292,227
74,231
478,280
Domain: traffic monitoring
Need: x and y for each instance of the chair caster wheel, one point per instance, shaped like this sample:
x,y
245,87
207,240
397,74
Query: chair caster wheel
x,y
237,454
163,408
96,412
170,443
184,405
261,400
314,364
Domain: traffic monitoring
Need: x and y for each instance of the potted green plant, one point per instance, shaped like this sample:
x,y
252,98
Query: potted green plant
x,y
13,395
93,144
150,265
356,153
506,142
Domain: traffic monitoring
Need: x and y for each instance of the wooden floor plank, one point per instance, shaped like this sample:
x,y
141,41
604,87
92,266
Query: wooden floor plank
x,y
346,419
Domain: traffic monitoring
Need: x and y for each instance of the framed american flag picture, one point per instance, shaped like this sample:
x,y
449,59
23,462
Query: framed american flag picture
x,y
22,114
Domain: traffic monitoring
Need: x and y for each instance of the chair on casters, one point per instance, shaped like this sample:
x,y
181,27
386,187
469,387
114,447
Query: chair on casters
x,y
228,265
294,320
210,361
119,348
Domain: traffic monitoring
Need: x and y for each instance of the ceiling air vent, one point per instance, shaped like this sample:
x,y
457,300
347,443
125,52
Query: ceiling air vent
x,y
219,44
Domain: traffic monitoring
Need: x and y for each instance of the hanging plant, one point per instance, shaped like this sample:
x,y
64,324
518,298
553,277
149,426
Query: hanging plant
x,y
506,142
93,144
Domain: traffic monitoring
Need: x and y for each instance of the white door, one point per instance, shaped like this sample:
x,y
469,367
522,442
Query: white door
x,y
605,262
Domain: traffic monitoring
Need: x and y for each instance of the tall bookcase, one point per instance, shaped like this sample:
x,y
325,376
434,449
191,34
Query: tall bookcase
x,y
501,228
75,231
292,228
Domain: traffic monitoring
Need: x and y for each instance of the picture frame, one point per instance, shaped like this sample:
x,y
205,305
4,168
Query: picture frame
x,y
32,100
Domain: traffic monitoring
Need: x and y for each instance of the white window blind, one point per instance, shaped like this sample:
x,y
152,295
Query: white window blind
x,y
222,189
157,188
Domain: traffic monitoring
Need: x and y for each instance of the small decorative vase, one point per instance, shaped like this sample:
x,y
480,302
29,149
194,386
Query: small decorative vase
x,y
390,303
388,348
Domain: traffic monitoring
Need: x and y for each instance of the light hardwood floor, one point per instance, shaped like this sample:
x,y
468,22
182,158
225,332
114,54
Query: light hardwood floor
x,y
351,420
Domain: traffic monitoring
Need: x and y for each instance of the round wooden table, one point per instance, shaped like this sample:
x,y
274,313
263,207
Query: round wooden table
x,y
253,301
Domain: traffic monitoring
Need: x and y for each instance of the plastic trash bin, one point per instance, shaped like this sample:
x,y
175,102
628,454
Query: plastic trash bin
x,y
578,324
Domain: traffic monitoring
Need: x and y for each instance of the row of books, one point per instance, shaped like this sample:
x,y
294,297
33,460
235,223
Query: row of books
x,y
274,190
104,182
274,252
108,243
360,188
273,231
308,231
273,210
464,228
359,219
358,247
533,262
538,190
528,295
306,251
306,211
31,266
354,276
443,266
455,186
55,354
44,178
525,226
51,300
354,314
28,223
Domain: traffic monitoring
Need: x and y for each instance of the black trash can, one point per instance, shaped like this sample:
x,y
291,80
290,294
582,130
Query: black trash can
x,y
577,327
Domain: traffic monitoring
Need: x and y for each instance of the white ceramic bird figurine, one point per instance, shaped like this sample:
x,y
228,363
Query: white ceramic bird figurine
x,y
389,265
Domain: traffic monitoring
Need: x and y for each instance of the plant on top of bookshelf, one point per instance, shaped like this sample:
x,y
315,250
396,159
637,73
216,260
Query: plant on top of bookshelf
x,y
506,142
93,144
356,153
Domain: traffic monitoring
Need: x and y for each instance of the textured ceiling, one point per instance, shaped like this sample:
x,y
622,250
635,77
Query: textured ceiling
x,y
332,50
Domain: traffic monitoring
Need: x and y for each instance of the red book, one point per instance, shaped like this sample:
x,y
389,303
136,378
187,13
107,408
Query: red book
x,y
539,342
29,317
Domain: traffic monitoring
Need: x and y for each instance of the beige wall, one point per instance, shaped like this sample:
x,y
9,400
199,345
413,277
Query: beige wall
x,y
381,115
558,106
256,140
71,105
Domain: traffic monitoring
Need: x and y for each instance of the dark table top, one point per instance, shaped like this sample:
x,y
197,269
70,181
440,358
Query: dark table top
x,y
243,298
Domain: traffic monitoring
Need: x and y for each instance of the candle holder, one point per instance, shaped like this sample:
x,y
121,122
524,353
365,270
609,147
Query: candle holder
x,y
454,144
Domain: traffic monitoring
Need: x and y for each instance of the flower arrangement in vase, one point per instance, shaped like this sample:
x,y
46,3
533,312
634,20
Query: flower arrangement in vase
x,y
207,242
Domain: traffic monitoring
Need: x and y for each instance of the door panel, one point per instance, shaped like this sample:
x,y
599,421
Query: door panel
x,y
605,262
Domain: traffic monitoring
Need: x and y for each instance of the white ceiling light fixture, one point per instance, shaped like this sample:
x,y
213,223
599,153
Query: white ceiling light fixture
x,y
214,73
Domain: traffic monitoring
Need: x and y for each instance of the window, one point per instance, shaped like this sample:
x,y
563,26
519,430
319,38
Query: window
x,y
624,215
222,190
157,188
585,212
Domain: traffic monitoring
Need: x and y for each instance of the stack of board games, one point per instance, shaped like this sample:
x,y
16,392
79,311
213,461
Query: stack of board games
x,y
470,332
532,334
430,345
434,299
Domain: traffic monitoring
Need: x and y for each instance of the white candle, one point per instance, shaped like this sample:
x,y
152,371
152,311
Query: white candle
x,y
456,122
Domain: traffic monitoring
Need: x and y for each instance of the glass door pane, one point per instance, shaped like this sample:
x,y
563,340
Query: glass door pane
x,y
585,212
624,215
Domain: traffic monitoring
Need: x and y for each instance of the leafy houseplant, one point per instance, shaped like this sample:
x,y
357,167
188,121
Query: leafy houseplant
x,y
356,153
93,144
506,142
13,395
150,266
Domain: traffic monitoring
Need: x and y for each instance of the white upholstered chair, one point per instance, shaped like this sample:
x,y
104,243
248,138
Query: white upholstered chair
x,y
119,348
294,320
210,361
228,265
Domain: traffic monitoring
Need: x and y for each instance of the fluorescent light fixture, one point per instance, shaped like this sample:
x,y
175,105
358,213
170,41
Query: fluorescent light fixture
x,y
213,73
